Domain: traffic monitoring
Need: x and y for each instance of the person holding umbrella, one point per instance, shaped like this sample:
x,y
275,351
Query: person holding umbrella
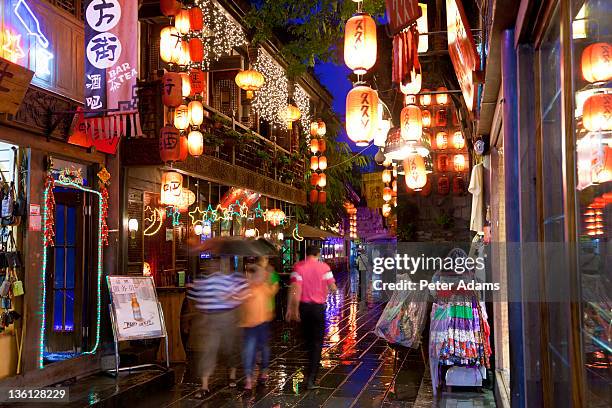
x,y
217,297
311,282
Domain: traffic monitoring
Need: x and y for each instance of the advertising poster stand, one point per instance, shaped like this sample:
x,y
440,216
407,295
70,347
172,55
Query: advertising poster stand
x,y
142,320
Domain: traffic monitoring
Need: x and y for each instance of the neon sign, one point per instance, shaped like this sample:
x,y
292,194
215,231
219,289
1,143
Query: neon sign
x,y
11,46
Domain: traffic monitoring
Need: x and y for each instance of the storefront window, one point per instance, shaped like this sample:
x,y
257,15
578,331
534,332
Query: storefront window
x,y
592,73
553,213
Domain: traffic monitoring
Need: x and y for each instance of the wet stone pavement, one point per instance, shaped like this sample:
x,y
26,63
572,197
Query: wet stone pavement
x,y
358,370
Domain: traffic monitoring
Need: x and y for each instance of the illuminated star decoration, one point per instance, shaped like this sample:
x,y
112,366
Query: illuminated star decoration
x,y
259,213
197,216
227,214
244,210
210,214
11,49
234,209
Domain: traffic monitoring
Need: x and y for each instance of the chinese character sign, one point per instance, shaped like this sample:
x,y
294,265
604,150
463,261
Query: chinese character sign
x,y
111,50
462,51
401,14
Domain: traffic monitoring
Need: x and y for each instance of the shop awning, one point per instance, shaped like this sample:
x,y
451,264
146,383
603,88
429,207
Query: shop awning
x,y
309,232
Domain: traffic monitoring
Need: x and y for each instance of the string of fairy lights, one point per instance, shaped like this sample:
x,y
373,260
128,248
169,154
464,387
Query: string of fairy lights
x,y
221,34
271,100
302,101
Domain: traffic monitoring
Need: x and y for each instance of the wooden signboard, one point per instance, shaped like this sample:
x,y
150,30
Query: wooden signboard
x,y
462,51
14,81
401,14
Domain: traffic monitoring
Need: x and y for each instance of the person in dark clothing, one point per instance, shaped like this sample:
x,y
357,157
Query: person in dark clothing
x,y
311,282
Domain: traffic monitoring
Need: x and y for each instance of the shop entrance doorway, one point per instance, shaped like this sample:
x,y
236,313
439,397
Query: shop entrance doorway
x,y
68,277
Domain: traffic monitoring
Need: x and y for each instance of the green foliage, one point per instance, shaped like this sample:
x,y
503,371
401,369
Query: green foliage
x,y
282,160
264,157
221,119
315,28
213,140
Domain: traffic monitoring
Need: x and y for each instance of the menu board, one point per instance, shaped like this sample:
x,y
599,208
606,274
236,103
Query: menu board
x,y
135,308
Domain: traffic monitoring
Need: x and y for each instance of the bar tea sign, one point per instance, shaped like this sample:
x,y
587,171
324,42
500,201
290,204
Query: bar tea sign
x,y
135,308
402,13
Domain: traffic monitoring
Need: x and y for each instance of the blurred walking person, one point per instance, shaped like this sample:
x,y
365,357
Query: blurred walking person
x,y
217,297
311,282
257,312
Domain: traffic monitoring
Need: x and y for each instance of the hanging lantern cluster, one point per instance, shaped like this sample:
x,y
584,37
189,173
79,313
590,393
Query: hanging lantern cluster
x,y
352,220
200,34
389,178
318,162
596,65
593,220
360,54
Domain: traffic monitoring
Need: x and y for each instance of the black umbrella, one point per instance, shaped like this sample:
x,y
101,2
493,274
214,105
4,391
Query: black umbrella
x,y
267,247
230,246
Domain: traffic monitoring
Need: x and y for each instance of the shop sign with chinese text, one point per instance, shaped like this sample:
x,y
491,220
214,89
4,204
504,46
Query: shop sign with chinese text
x,y
111,53
462,51
14,81
402,13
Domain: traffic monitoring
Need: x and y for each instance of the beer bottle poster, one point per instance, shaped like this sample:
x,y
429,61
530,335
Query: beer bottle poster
x,y
134,306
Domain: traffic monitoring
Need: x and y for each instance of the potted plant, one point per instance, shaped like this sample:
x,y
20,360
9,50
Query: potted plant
x,y
220,121
212,142
233,137
282,161
265,159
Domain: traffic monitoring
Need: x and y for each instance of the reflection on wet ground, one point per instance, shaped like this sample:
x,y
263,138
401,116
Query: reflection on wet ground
x,y
358,369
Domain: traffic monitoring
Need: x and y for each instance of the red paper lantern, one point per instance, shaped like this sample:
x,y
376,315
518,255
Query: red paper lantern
x,y
172,88
314,145
443,163
458,185
198,81
441,118
169,144
196,19
322,197
196,50
314,196
597,62
443,185
322,145
360,43
314,179
597,113
170,8
183,148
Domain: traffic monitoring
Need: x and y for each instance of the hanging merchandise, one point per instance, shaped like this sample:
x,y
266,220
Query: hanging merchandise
x,y
403,319
360,43
362,114
406,69
459,347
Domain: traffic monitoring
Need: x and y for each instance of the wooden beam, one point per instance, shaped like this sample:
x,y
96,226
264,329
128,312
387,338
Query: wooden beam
x,y
55,147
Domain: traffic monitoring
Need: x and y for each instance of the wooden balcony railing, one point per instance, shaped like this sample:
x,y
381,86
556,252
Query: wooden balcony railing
x,y
225,138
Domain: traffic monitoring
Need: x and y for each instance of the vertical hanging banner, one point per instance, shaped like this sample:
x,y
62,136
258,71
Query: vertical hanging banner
x,y
401,14
111,51
462,51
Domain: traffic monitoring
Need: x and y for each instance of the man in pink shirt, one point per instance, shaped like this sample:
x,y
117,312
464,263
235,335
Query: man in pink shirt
x,y
311,281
